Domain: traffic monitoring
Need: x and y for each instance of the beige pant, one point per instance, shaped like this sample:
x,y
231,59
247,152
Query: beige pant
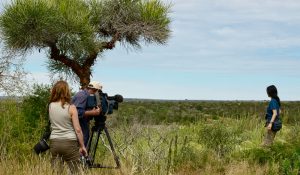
x,y
65,151
269,137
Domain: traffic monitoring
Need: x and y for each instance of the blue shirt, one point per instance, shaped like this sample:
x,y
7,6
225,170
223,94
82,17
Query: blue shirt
x,y
272,105
79,100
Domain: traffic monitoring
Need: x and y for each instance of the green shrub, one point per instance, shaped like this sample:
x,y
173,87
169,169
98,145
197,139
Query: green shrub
x,y
34,106
193,157
284,155
258,155
218,137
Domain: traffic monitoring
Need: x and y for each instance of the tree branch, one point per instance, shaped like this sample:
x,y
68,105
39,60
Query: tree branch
x,y
55,55
90,60
111,44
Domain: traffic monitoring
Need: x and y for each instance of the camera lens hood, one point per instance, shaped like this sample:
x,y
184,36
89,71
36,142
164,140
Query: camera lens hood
x,y
41,146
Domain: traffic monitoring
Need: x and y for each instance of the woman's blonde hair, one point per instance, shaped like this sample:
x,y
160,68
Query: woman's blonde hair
x,y
61,92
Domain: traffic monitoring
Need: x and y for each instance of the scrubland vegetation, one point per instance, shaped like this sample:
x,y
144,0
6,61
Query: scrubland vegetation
x,y
163,137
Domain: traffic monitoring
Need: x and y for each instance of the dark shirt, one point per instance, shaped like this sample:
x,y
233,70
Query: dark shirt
x,y
79,100
273,105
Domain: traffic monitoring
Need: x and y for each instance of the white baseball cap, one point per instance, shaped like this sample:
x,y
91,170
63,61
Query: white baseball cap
x,y
95,85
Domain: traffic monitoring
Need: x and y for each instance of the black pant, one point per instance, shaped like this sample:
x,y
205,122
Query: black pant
x,y
85,127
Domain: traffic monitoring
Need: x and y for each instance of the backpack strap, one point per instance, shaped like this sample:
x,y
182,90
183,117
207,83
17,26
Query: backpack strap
x,y
47,130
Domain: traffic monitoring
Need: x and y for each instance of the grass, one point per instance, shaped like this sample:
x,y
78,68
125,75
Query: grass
x,y
168,138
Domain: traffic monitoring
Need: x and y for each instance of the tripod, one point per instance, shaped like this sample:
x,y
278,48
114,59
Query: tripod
x,y
92,147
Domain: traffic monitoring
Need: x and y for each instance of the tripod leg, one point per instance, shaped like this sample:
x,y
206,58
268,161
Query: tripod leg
x,y
92,146
95,147
90,142
112,148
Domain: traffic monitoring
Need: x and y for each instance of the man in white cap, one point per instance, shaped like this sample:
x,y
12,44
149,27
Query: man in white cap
x,y
84,114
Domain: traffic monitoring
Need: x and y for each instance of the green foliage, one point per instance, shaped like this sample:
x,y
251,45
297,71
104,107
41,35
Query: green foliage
x,y
259,155
148,145
155,14
27,24
285,155
132,19
34,106
17,136
34,23
160,112
290,112
193,156
7,109
218,137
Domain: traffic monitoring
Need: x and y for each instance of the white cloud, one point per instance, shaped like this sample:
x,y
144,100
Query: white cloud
x,y
39,78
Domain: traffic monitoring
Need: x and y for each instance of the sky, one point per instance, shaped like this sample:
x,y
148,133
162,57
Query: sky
x,y
218,50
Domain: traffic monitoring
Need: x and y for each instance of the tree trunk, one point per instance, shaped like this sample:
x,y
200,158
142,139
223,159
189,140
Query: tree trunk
x,y
84,79
82,71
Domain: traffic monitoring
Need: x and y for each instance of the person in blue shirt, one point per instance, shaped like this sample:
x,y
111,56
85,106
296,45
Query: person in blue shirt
x,y
273,122
84,114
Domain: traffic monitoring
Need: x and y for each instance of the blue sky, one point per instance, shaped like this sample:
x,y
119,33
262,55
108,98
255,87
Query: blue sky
x,y
218,50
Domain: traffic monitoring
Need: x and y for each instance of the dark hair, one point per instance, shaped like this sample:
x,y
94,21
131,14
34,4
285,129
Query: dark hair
x,y
272,92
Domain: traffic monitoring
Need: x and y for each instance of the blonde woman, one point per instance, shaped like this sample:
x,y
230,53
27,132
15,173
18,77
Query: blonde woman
x,y
66,139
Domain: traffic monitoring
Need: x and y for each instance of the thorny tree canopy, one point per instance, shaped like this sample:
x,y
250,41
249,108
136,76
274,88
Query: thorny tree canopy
x,y
75,32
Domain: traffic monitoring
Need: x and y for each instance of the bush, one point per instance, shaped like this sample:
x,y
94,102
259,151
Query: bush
x,y
284,155
258,155
192,157
218,137
34,106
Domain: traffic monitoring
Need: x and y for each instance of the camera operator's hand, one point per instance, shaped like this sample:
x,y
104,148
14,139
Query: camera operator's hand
x,y
97,111
94,112
83,151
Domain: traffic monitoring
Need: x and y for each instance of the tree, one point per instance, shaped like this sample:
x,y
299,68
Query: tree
x,y
74,33
12,75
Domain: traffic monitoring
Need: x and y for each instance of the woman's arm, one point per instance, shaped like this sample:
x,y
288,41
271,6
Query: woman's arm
x,y
77,128
272,119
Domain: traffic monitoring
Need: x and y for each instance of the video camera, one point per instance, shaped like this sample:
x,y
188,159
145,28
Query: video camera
x,y
109,103
106,103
